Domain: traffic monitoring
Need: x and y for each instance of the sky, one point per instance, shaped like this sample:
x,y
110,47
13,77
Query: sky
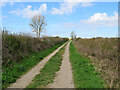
x,y
86,19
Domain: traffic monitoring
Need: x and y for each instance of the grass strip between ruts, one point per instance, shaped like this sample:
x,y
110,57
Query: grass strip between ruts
x,y
48,72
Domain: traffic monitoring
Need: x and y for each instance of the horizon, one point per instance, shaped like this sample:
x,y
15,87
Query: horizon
x,y
29,35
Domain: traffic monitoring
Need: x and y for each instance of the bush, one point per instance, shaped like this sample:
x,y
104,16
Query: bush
x,y
16,47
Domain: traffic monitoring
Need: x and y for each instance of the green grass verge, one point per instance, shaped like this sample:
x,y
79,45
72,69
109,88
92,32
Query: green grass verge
x,y
15,70
84,73
48,72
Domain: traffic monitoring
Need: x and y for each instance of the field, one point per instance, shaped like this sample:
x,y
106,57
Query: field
x,y
104,55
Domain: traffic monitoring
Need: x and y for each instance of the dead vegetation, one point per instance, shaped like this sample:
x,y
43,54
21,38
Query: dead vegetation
x,y
104,55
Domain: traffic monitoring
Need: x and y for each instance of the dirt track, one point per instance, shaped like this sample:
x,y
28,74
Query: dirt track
x,y
28,77
64,77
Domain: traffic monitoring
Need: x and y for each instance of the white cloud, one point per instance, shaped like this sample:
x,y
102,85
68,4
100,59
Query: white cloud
x,y
65,8
12,3
93,23
68,6
2,4
28,12
102,19
86,4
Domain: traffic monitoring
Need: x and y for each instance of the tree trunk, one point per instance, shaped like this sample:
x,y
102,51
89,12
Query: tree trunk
x,y
39,33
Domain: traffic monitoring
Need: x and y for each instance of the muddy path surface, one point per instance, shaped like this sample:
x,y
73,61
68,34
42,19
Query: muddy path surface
x,y
64,78
26,79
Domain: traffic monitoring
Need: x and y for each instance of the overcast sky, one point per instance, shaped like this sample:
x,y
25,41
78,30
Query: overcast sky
x,y
90,19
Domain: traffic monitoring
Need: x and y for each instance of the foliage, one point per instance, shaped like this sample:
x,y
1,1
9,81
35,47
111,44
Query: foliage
x,y
16,47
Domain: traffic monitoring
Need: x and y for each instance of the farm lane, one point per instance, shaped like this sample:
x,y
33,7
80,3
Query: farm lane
x,y
28,77
64,78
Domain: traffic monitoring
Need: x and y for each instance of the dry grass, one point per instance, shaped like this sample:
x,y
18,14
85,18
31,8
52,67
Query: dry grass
x,y
104,55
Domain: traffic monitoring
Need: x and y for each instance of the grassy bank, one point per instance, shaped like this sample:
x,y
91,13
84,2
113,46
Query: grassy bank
x,y
84,73
17,46
104,55
48,72
12,72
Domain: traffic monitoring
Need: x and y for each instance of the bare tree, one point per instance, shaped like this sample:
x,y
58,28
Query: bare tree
x,y
73,35
38,24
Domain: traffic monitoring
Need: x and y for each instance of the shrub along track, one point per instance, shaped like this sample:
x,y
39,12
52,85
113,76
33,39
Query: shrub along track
x,y
28,77
14,71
